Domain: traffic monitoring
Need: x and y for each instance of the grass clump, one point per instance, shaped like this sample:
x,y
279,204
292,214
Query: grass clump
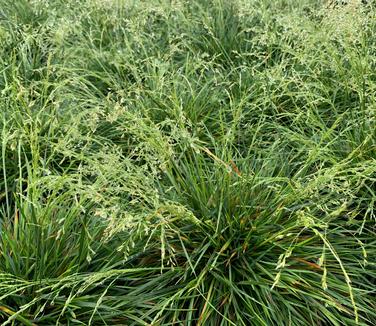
x,y
187,163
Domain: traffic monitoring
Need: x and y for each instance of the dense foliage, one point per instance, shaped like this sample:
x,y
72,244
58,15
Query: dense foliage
x,y
187,162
